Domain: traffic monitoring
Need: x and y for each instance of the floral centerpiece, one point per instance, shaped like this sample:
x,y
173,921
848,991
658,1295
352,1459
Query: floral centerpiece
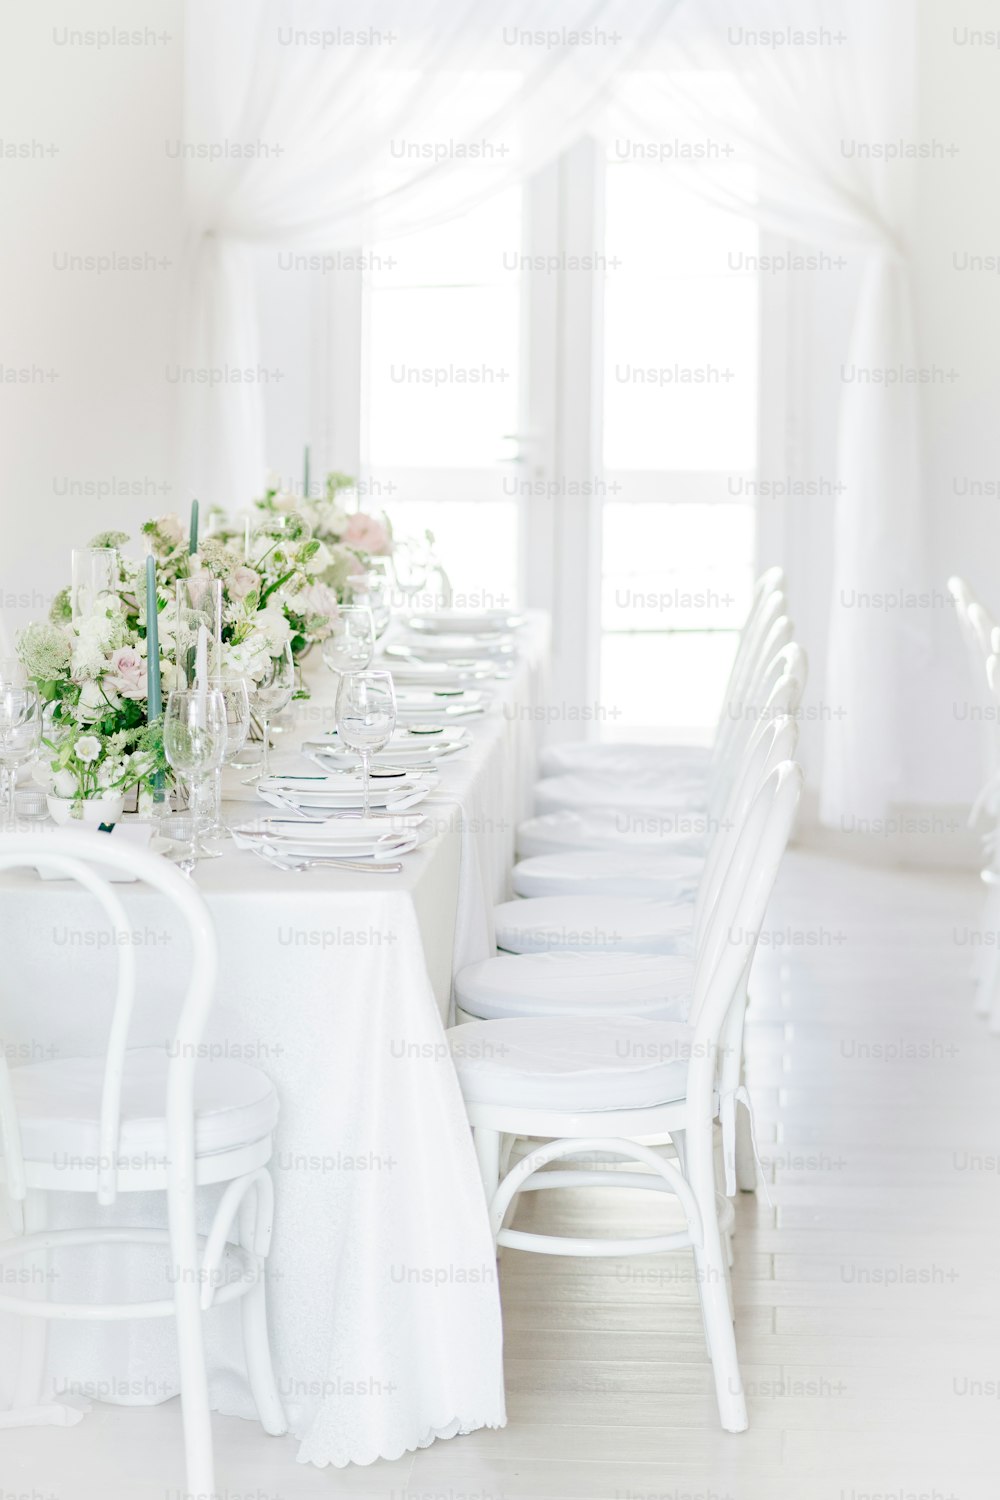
x,y
349,542
91,671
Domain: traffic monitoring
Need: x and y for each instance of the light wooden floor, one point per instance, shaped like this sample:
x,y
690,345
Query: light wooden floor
x,y
868,1296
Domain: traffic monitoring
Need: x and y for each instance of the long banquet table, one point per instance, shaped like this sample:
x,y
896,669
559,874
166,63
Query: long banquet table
x,y
384,1303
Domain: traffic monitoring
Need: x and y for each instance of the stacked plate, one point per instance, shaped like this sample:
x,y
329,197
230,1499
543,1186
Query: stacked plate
x,y
342,792
404,753
330,839
478,622
408,671
422,704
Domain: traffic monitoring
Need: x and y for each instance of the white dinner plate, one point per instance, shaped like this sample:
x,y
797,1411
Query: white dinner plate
x,y
414,757
345,793
348,838
438,674
466,622
425,703
452,647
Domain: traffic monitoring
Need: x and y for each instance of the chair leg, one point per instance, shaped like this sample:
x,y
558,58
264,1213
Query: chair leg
x,y
713,1285
256,1235
746,1162
195,1407
34,1331
488,1154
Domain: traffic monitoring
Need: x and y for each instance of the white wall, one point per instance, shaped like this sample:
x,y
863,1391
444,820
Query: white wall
x,y
105,419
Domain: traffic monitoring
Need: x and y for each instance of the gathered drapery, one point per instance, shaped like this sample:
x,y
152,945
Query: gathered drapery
x,y
307,129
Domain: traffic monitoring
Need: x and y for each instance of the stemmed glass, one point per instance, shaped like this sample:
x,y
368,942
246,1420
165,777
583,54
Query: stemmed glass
x,y
366,717
411,562
350,645
194,743
370,591
268,696
237,700
20,737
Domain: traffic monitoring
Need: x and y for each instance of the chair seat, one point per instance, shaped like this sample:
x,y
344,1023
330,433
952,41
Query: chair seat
x,y
59,1107
637,791
621,760
674,831
596,872
657,986
594,924
570,1065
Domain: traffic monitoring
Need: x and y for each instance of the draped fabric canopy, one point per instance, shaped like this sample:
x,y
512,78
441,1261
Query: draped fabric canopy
x,y
805,129
310,128
319,125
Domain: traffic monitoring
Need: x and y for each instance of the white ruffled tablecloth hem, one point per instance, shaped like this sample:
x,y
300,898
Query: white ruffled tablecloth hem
x,y
458,1427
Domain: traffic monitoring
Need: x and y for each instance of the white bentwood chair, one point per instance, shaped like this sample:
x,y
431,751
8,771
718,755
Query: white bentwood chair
x,y
625,759
587,808
143,1120
688,829
602,1087
586,922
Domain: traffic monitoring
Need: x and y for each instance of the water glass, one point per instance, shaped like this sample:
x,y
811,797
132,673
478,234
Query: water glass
x,y
94,577
269,694
366,717
350,645
237,700
199,604
20,737
194,743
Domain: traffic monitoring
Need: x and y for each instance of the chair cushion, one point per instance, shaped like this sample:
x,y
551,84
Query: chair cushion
x,y
572,1065
640,792
596,872
658,986
590,924
621,760
59,1106
675,831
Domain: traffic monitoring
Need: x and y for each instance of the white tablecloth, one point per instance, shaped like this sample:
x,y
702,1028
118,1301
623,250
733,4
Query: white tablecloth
x,y
384,1304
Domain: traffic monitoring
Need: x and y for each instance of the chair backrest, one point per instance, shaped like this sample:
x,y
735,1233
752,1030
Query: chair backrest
x,y
775,740
786,674
736,917
770,582
778,632
82,857
981,627
745,716
749,654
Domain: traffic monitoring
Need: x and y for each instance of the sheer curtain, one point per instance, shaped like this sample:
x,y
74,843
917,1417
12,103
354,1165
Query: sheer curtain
x,y
803,129
313,125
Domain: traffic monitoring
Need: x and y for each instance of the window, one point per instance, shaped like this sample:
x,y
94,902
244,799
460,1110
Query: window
x,y
441,389
680,422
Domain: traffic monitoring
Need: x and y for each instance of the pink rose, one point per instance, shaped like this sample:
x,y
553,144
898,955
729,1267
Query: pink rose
x,y
127,676
365,533
171,529
243,581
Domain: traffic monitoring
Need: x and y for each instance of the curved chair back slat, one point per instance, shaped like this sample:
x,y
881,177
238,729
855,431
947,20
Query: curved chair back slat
x,y
83,857
733,925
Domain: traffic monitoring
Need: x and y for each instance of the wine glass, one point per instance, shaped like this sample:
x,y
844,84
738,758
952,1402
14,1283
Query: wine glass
x,y
194,743
366,716
370,591
20,737
350,645
410,563
237,700
269,695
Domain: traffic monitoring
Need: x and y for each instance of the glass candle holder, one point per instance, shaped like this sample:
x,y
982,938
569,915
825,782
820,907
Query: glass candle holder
x,y
94,576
